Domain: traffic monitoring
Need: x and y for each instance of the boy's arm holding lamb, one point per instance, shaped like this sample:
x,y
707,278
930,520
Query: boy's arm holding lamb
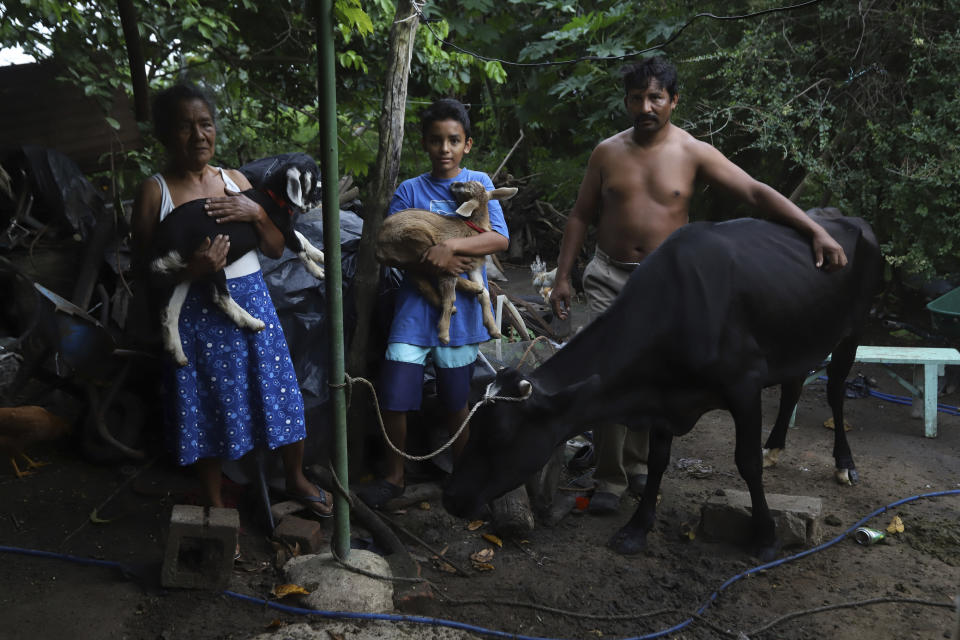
x,y
455,255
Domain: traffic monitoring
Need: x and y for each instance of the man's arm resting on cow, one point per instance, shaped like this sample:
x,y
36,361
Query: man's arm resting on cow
x,y
716,169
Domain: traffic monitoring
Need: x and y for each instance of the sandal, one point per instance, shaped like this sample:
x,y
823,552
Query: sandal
x,y
311,502
379,493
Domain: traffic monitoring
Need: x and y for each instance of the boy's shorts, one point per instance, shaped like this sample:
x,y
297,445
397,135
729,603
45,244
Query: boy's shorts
x,y
401,377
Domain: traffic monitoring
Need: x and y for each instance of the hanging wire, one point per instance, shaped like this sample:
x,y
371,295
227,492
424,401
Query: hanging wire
x,y
418,8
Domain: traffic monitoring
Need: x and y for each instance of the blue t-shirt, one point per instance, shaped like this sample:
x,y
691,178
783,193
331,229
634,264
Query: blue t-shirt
x,y
415,319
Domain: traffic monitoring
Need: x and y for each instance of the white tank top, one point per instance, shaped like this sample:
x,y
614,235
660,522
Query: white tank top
x,y
244,265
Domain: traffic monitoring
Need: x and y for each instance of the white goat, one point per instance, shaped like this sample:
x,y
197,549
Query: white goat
x,y
408,234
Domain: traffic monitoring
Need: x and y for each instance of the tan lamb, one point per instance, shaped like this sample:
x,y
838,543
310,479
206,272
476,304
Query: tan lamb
x,y
406,235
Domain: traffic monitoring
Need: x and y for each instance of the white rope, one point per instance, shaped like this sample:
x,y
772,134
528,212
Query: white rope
x,y
487,398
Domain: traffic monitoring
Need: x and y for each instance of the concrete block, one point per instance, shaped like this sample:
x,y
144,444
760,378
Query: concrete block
x,y
728,517
200,545
309,534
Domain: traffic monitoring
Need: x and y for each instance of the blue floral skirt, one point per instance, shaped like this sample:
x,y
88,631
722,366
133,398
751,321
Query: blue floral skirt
x,y
238,390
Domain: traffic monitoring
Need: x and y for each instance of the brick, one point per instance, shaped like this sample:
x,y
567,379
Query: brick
x,y
281,510
413,597
728,517
200,547
309,534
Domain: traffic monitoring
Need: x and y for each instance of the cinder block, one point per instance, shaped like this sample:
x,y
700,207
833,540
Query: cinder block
x,y
200,545
728,517
309,534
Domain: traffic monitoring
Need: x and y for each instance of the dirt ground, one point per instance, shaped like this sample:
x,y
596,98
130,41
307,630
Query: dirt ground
x,y
559,581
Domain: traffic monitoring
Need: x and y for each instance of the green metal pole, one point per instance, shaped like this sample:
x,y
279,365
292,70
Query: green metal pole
x,y
327,95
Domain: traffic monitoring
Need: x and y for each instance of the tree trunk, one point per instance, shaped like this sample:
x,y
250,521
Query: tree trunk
x,y
138,73
384,180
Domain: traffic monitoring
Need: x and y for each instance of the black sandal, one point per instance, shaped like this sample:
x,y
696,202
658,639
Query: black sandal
x,y
379,493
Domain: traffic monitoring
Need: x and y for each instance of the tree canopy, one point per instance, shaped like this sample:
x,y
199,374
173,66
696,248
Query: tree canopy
x,y
853,105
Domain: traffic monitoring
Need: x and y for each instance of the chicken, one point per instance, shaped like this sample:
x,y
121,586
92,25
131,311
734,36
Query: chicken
x,y
543,279
23,426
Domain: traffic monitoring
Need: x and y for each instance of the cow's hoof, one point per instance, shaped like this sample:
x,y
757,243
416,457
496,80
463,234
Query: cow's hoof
x,y
770,457
627,542
767,552
848,477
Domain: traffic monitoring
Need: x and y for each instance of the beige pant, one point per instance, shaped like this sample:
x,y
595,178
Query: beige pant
x,y
621,453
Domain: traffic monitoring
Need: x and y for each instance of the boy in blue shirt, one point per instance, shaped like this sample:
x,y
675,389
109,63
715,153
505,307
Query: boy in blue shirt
x,y
413,335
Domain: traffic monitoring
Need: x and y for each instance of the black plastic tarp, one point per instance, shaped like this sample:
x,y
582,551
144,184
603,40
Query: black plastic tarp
x,y
60,190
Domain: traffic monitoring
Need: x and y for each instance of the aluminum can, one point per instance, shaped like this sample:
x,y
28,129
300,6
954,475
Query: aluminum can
x,y
866,535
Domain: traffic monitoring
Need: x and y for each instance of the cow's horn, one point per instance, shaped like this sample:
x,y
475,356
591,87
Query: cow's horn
x,y
525,388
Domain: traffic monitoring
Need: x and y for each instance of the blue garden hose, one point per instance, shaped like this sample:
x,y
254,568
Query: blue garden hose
x,y
453,624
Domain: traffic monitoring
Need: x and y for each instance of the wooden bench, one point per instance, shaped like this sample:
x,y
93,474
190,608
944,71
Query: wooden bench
x,y
928,364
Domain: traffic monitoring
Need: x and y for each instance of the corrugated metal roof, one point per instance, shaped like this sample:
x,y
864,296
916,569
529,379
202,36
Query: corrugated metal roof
x,y
36,108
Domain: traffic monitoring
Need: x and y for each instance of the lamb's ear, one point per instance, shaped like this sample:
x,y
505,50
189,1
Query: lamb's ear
x,y
503,193
467,208
294,191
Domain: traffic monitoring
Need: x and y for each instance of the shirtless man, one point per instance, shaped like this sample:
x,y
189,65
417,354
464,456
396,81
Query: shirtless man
x,y
637,190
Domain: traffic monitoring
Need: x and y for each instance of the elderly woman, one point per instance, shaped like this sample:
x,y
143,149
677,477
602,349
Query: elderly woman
x,y
239,389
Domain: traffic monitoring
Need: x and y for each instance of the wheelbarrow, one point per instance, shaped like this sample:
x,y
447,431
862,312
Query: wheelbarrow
x,y
84,351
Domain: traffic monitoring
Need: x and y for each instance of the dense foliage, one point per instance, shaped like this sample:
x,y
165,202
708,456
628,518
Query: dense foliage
x,y
847,104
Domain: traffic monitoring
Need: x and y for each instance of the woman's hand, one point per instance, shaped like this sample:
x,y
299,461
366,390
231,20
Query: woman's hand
x,y
234,207
210,257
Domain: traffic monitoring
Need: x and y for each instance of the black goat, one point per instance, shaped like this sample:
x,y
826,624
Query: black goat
x,y
288,186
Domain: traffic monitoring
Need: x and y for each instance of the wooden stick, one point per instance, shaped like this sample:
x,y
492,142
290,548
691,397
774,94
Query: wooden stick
x,y
509,153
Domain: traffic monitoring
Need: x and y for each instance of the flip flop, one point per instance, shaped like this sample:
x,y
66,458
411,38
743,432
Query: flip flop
x,y
310,501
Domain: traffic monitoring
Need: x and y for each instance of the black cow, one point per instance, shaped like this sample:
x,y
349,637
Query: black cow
x,y
285,186
718,312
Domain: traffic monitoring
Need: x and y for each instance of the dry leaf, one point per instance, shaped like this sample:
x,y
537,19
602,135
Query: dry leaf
x,y
483,566
277,623
492,539
444,566
476,524
484,555
284,590
96,519
425,506
895,526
